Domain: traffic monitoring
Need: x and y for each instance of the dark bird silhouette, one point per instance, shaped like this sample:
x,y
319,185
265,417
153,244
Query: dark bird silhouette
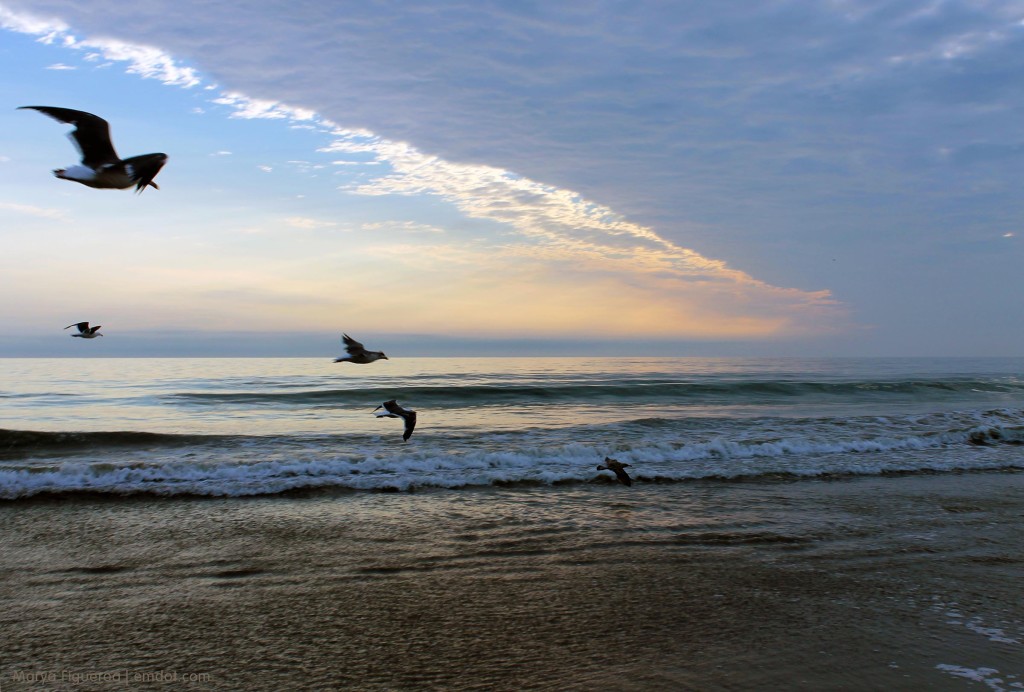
x,y
393,410
358,354
618,467
85,331
101,167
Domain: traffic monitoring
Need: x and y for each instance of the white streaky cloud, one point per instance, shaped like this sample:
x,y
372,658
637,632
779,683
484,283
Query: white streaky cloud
x,y
147,62
307,223
61,66
30,210
401,227
150,63
307,167
48,30
248,108
265,168
560,221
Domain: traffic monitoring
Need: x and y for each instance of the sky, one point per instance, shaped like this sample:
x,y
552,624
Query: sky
x,y
826,178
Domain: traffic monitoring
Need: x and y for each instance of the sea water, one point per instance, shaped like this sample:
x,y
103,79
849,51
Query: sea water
x,y
234,427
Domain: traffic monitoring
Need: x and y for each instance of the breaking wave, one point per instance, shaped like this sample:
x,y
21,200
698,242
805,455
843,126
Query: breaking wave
x,y
127,463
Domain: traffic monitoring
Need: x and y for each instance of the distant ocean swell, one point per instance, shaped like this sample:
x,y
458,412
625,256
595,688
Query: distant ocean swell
x,y
625,391
125,463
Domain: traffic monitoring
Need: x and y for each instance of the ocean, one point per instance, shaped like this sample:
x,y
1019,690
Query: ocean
x,y
249,524
223,427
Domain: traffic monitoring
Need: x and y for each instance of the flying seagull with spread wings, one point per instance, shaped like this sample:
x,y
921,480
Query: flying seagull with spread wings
x,y
84,330
101,167
393,410
618,467
358,354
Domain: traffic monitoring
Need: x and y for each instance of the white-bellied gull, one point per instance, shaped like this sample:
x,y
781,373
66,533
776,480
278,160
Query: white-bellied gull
x,y
101,167
393,410
84,330
618,468
358,354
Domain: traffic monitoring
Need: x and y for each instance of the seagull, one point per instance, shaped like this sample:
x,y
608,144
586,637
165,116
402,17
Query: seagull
x,y
393,410
358,354
101,166
618,467
84,330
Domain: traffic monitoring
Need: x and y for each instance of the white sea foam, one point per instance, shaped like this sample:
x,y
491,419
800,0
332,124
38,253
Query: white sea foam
x,y
986,676
250,466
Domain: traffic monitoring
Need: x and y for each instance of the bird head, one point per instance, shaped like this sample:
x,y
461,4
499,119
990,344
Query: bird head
x,y
383,356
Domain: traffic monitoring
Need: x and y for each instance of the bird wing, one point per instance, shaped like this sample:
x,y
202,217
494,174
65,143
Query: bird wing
x,y
82,326
623,476
93,330
91,134
353,347
410,424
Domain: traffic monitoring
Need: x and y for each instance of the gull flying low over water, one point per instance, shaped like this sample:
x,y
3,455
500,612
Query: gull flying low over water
x,y
84,330
393,410
358,354
101,167
618,467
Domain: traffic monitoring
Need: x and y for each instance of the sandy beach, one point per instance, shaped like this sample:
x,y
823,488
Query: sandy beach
x,y
899,582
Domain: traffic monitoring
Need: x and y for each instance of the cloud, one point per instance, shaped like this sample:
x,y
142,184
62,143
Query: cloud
x,y
248,108
38,212
402,227
61,66
144,61
308,223
562,228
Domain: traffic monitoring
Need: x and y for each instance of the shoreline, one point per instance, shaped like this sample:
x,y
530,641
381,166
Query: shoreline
x,y
871,582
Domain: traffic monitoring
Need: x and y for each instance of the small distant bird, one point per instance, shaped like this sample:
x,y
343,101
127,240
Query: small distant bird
x,y
393,410
101,166
618,467
84,330
358,354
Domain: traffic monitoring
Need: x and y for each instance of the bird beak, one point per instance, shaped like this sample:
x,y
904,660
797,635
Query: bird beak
x,y
384,357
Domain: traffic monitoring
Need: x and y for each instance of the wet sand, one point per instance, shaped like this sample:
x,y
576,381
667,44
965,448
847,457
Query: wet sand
x,y
897,583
